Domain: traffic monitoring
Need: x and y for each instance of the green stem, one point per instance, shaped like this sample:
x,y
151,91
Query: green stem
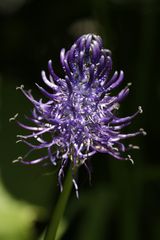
x,y
60,207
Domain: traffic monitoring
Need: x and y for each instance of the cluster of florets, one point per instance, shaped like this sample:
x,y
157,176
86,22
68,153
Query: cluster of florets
x,y
78,118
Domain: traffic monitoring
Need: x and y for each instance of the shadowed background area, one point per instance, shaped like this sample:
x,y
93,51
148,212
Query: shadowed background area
x,y
123,200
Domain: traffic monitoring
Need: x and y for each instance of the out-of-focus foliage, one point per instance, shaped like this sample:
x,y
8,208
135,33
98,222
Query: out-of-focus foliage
x,y
10,6
123,201
16,217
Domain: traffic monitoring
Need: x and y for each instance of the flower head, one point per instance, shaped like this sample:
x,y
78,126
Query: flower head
x,y
78,118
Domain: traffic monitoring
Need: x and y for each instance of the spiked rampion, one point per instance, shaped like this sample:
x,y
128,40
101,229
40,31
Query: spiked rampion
x,y
78,118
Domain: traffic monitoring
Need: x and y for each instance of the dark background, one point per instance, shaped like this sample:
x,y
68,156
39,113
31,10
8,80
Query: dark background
x,y
123,201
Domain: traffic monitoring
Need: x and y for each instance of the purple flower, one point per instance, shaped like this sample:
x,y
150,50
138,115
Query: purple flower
x,y
78,116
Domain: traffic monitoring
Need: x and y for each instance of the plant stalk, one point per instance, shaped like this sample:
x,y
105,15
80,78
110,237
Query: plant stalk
x,y
60,208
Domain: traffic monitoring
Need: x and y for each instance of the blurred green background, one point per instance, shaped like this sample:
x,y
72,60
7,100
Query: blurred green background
x,y
122,202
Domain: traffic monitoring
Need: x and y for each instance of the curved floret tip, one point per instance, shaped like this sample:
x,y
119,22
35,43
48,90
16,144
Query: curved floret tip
x,y
140,109
142,131
17,160
13,118
130,159
129,84
133,147
78,115
20,87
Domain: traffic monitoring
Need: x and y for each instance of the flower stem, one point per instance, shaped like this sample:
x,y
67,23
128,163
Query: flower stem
x,y
60,207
